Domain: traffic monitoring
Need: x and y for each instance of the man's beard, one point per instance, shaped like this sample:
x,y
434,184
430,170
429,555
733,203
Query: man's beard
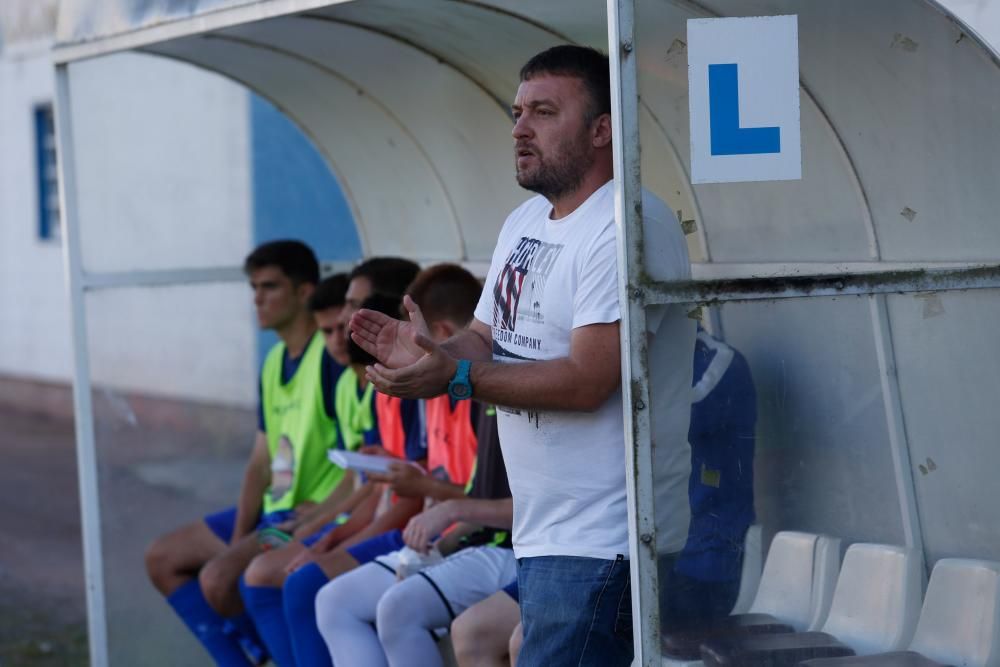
x,y
554,177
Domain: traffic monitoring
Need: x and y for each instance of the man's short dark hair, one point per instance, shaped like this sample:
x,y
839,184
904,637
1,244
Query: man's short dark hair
x,y
446,292
382,303
329,293
388,275
295,259
581,62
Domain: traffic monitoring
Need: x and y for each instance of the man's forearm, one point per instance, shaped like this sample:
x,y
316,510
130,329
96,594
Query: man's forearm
x,y
335,505
393,518
441,490
557,384
467,344
249,504
497,513
256,479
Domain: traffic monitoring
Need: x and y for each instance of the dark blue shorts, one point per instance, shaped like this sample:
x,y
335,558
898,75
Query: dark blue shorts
x,y
222,522
321,533
511,590
380,545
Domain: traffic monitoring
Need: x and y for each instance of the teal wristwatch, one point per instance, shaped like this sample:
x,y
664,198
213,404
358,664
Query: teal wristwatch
x,y
460,388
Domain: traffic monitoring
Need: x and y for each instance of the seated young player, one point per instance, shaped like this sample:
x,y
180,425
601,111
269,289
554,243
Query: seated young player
x,y
391,426
451,292
705,579
196,567
367,618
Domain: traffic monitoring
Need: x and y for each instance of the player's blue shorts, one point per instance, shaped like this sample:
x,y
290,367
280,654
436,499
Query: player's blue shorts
x,y
380,545
318,535
511,590
222,523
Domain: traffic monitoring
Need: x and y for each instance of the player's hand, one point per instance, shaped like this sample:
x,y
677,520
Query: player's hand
x,y
425,378
426,526
391,341
374,450
407,480
304,558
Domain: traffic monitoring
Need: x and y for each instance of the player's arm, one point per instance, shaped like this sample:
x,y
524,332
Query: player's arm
x,y
582,381
359,519
409,481
256,479
425,527
393,518
334,505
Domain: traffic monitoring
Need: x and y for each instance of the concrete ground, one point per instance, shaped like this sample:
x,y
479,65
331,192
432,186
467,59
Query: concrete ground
x,y
157,469
42,609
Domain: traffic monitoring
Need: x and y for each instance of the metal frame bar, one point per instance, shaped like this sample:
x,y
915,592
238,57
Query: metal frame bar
x,y
896,425
164,278
90,505
635,378
711,292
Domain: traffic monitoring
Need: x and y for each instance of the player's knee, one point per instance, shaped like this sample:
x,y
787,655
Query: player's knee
x,y
393,611
330,603
214,583
160,560
514,645
469,637
263,572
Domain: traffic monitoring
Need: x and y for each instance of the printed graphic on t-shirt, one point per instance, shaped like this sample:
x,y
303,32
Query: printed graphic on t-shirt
x,y
519,293
282,469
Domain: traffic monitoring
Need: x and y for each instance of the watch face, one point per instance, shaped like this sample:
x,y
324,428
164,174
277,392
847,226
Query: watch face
x,y
460,390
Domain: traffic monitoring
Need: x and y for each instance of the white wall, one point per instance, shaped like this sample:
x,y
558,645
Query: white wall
x,y
34,319
160,145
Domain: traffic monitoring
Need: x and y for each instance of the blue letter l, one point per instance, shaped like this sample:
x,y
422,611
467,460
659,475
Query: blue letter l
x,y
728,138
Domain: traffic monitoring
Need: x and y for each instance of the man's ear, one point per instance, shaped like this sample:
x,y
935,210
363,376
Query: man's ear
x,y
305,291
442,330
602,131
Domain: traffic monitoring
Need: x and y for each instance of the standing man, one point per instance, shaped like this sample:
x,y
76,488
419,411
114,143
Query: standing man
x,y
544,345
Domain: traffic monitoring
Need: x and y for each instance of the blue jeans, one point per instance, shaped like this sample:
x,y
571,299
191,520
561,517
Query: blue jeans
x,y
575,611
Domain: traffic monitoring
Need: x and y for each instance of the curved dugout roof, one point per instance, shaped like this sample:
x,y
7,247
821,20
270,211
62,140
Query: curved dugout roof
x,y
409,103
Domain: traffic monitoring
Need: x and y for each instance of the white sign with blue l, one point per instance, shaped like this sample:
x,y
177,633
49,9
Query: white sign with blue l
x,y
743,84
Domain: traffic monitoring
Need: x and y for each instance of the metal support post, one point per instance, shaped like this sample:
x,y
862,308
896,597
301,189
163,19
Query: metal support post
x,y
635,378
86,456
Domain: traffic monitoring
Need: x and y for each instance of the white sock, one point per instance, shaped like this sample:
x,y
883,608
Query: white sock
x,y
407,613
345,614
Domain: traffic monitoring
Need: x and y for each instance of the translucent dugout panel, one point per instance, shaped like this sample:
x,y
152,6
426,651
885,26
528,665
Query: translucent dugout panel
x,y
817,424
877,84
948,378
174,390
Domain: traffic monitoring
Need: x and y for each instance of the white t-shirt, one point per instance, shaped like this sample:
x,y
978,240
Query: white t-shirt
x,y
567,469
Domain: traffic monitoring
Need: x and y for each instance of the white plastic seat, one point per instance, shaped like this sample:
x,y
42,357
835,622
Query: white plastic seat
x,y
960,621
796,584
874,609
799,576
876,603
753,561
